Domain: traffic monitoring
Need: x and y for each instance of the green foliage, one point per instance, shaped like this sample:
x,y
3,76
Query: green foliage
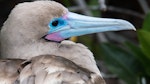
x,y
146,24
120,62
95,13
144,38
130,62
142,58
67,3
86,40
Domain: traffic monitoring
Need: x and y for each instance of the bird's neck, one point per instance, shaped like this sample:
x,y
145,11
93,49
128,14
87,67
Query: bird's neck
x,y
26,51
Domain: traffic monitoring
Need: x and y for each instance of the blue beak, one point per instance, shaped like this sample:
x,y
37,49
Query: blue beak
x,y
73,24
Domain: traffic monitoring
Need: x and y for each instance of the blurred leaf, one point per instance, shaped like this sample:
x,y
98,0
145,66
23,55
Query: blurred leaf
x,y
144,38
146,24
141,57
86,40
95,13
67,3
120,62
144,35
92,2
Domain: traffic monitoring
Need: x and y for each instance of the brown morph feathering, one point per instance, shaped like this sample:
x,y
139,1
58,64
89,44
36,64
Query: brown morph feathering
x,y
50,69
9,70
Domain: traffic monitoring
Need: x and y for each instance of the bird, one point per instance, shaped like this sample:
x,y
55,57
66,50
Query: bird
x,y
35,35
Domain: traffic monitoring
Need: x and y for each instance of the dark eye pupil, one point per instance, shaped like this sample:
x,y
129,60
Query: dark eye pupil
x,y
55,23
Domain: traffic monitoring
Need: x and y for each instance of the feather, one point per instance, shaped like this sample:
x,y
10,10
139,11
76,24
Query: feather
x,y
9,70
50,69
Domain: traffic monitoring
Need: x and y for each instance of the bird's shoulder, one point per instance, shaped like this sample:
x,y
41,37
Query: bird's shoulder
x,y
50,69
74,48
71,43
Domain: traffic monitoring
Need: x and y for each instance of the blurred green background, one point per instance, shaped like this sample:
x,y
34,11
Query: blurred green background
x,y
123,57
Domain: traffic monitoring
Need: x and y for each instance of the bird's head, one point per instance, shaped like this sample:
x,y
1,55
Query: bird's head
x,y
52,21
71,24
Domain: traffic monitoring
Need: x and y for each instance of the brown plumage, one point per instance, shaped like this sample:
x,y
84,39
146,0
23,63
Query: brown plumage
x,y
9,70
51,69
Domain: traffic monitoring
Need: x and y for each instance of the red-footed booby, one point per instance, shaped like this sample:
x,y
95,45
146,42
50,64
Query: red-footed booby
x,y
37,30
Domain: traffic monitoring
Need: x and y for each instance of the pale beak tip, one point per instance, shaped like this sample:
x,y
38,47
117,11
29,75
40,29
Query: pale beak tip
x,y
128,25
132,27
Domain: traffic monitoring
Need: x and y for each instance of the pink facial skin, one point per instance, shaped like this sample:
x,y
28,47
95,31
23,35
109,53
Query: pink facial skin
x,y
54,37
65,16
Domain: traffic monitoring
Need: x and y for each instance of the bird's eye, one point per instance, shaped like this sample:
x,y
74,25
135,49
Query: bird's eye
x,y
55,23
